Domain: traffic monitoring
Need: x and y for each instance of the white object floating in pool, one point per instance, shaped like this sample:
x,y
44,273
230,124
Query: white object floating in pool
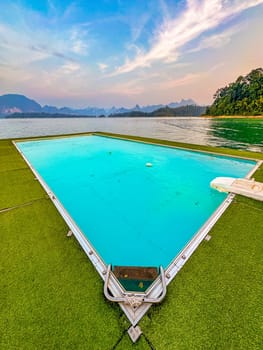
x,y
245,187
149,164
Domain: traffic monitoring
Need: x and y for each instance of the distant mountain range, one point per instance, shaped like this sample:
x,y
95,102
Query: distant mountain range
x,y
12,103
18,104
189,110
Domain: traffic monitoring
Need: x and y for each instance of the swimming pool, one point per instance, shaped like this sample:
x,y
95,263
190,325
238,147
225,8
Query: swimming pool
x,y
131,203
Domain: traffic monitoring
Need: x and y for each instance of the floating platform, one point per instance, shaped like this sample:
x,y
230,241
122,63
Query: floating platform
x,y
245,187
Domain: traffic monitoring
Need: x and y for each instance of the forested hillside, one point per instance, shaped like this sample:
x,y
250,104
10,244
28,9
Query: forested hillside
x,y
243,97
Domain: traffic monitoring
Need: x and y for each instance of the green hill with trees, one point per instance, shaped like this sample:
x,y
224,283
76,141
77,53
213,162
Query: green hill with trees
x,y
189,110
243,97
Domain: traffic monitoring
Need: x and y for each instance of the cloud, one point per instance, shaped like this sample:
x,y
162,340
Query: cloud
x,y
77,40
20,49
185,80
164,8
70,68
79,47
17,50
198,17
44,38
188,78
102,66
215,41
138,26
49,52
61,55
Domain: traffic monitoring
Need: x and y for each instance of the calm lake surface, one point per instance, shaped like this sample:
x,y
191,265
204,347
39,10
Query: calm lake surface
x,y
232,133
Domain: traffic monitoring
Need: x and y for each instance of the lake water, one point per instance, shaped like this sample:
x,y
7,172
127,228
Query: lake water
x,y
232,133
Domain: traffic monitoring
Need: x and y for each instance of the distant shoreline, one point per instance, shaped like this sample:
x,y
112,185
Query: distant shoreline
x,y
233,116
67,116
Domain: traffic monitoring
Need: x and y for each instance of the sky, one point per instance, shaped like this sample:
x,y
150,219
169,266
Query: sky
x,y
124,52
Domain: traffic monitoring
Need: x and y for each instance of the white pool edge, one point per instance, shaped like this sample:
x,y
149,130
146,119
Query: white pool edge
x,y
171,271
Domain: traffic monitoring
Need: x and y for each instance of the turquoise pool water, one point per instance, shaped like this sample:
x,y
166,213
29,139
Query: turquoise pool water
x,y
132,214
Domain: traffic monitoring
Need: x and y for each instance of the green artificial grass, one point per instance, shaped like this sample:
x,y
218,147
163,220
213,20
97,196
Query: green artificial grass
x,y
214,302
51,297
23,188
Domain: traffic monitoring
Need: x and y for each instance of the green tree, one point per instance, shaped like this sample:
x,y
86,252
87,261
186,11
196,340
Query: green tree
x,y
242,97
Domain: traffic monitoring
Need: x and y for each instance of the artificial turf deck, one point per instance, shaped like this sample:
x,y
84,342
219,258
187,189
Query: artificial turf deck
x,y
51,297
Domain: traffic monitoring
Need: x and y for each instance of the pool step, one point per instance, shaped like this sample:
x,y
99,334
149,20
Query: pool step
x,y
133,298
136,278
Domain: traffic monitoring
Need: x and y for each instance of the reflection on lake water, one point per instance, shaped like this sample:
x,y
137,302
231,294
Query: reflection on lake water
x,y
233,133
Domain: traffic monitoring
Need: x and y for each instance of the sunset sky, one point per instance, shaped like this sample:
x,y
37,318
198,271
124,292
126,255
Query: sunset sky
x,y
122,52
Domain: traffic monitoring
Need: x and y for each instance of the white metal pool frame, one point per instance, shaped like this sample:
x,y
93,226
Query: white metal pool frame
x,y
133,310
